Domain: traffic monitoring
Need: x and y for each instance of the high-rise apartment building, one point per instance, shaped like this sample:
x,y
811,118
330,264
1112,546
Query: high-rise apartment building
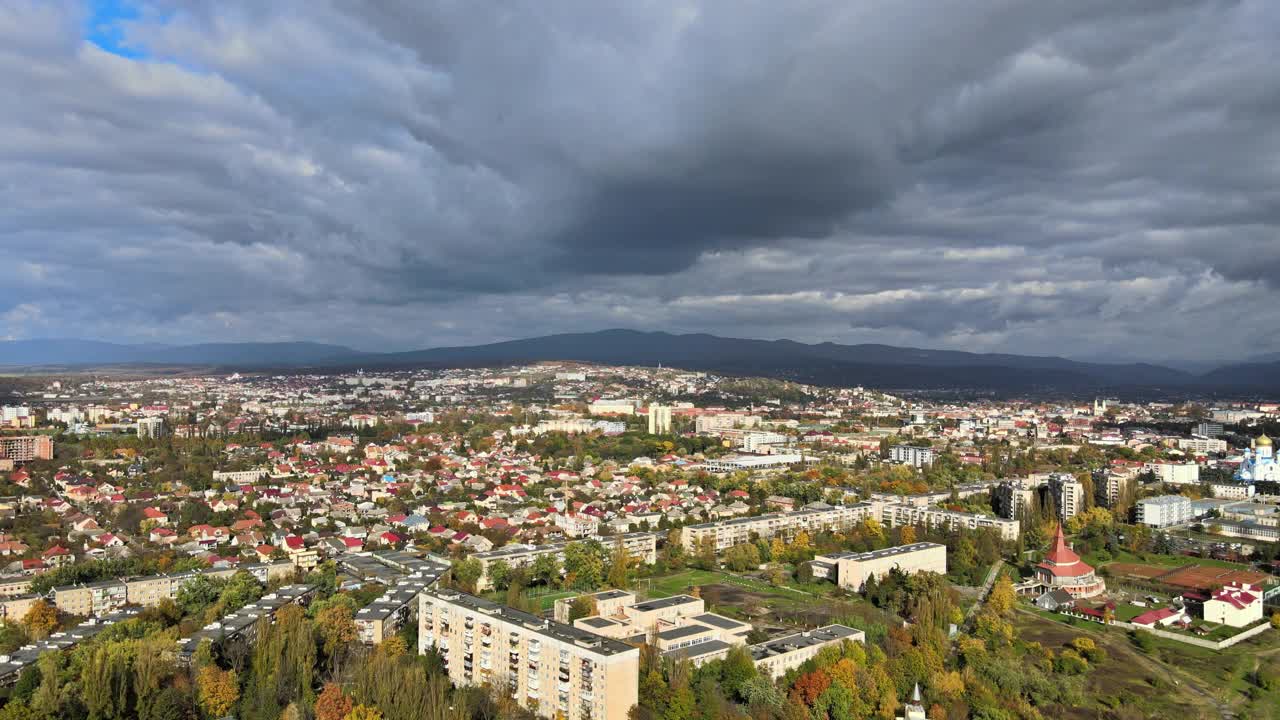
x,y
26,448
554,669
659,420
1067,494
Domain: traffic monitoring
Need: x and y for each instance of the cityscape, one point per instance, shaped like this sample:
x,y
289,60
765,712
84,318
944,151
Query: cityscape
x,y
660,360
568,540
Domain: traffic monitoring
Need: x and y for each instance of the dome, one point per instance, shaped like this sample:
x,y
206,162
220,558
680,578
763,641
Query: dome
x,y
1264,440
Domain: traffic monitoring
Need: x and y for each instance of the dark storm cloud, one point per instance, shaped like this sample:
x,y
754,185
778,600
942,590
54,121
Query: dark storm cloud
x,y
994,175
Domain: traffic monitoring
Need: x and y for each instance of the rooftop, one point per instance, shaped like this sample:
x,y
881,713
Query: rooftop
x,y
547,628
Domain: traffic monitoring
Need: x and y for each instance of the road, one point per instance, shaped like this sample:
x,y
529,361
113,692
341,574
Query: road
x,y
985,591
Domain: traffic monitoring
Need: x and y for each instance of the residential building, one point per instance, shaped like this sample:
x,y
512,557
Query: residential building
x,y
25,448
642,547
659,420
779,655
1174,473
851,570
150,427
1202,445
897,514
1236,604
813,518
1067,494
1163,511
555,670
1208,429
1009,499
912,455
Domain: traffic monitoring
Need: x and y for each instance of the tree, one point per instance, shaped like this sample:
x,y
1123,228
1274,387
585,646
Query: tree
x,y
167,704
742,557
363,712
619,565
337,628
808,687
582,606
332,704
41,620
545,569
584,565
1002,596
500,574
737,669
466,574
217,690
907,534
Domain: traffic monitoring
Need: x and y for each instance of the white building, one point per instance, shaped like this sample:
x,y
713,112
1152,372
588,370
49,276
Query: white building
x,y
614,406
1236,604
851,569
1175,473
912,455
151,427
1164,510
659,420
1202,445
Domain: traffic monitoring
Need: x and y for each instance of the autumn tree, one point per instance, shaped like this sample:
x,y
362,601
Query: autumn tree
x,y
619,565
1002,596
41,620
332,704
363,712
217,690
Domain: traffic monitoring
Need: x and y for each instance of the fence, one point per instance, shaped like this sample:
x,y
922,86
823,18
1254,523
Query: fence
x,y
1201,642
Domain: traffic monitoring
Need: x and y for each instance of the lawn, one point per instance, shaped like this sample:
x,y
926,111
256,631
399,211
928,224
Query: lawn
x,y
1125,556
675,584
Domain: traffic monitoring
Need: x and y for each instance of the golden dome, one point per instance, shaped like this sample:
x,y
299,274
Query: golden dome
x,y
1263,440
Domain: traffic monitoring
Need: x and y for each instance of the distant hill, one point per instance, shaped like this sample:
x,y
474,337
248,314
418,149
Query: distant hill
x,y
84,353
827,363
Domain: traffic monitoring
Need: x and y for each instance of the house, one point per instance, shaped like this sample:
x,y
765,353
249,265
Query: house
x,y
57,556
1054,599
1161,617
110,541
156,517
1236,604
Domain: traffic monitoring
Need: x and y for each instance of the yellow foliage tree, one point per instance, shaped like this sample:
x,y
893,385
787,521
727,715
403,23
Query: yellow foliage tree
x,y
40,620
1002,596
907,534
217,690
363,712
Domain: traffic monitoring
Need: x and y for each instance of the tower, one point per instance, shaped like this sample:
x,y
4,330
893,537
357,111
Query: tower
x,y
914,710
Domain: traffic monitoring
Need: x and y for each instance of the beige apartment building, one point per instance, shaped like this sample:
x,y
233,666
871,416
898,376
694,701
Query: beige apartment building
x,y
851,569
11,587
555,670
895,514
642,547
779,655
813,518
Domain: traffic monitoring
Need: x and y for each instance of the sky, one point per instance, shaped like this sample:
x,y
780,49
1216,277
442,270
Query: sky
x,y
1093,179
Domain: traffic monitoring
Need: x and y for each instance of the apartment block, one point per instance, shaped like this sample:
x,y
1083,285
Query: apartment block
x,y
555,670
242,625
1202,445
912,455
895,514
1008,499
813,518
1175,473
779,655
1067,494
25,448
1163,511
642,547
851,570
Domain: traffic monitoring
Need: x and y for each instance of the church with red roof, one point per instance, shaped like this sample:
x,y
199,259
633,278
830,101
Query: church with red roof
x,y
1062,569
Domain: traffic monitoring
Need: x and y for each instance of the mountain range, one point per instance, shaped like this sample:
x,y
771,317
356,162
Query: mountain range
x,y
825,363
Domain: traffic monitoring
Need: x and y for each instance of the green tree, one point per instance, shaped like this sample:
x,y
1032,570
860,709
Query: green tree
x,y
584,565
466,574
619,566
500,574
582,606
